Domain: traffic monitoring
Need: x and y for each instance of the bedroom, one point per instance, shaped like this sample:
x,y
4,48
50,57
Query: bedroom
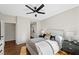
x,y
59,19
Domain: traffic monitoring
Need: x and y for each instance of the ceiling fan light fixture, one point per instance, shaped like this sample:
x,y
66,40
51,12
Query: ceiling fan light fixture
x,y
36,10
35,15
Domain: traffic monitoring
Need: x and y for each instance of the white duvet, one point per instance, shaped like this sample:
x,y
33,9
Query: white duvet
x,y
40,46
47,47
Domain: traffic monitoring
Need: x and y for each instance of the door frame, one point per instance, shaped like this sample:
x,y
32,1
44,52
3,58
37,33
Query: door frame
x,y
2,29
2,33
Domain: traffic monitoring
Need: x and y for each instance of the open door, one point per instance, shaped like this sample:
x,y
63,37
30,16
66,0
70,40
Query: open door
x,y
2,37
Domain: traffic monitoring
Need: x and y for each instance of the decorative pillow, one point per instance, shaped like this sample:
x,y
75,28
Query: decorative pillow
x,y
47,37
59,39
43,35
52,38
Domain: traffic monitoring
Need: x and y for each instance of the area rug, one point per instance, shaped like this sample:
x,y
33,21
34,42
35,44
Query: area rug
x,y
23,50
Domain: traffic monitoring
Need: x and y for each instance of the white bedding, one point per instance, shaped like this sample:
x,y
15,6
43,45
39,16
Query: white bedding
x,y
40,46
30,44
55,45
47,47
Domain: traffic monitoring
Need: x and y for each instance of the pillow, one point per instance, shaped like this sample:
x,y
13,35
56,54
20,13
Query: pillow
x,y
47,37
52,38
59,39
43,35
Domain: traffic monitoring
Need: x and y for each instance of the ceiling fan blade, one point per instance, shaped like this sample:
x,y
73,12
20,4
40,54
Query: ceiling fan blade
x,y
40,7
41,12
30,8
29,12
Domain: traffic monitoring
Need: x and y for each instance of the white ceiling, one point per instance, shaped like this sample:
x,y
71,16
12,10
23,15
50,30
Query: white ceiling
x,y
21,10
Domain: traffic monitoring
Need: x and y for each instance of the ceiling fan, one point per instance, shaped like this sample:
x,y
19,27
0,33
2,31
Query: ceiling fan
x,y
35,10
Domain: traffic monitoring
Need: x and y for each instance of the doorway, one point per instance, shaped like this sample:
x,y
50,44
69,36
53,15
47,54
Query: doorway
x,y
10,31
10,38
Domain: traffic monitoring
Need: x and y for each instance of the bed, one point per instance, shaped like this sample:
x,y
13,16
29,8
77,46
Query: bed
x,y
41,46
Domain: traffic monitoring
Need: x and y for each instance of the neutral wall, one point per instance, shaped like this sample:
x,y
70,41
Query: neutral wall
x,y
22,30
68,21
10,31
8,18
38,28
0,28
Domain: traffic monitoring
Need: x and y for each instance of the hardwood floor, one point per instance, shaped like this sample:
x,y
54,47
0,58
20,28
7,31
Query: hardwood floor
x,y
12,49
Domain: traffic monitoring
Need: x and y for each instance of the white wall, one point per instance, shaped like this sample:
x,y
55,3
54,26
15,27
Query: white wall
x,y
22,30
8,18
77,19
0,28
38,27
10,31
68,21
61,21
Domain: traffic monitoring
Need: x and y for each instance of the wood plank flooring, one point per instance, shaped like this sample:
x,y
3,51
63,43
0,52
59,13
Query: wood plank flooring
x,y
12,49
